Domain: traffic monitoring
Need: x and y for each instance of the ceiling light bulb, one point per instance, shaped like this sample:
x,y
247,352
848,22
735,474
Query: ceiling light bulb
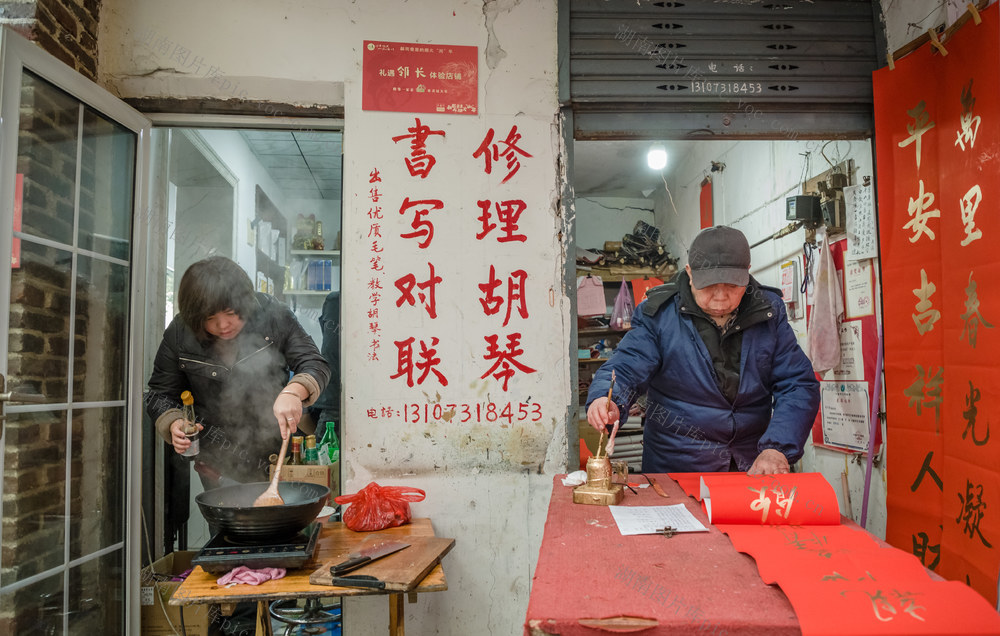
x,y
656,158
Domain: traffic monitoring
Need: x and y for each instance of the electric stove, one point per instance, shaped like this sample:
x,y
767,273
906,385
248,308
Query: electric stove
x,y
221,555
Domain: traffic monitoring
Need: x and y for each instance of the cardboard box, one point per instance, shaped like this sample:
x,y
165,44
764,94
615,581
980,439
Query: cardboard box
x,y
328,476
155,594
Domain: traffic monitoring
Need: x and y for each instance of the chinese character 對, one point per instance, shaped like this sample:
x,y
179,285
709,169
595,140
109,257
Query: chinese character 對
x,y
921,124
972,317
406,284
420,162
925,319
970,203
919,213
491,152
926,391
973,510
421,227
969,124
508,214
515,294
428,360
969,414
921,546
504,361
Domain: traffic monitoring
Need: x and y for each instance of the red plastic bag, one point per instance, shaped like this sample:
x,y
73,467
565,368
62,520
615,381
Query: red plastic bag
x,y
377,507
621,315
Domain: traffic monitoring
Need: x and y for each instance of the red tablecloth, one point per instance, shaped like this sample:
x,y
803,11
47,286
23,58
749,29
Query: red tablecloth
x,y
692,583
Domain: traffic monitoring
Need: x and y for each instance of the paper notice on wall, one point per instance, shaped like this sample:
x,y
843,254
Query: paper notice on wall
x,y
859,294
851,367
862,239
845,408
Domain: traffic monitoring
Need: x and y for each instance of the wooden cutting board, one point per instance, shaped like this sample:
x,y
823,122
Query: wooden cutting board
x,y
400,571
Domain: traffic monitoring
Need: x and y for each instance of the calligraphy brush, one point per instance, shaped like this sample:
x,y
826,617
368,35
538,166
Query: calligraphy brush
x,y
603,428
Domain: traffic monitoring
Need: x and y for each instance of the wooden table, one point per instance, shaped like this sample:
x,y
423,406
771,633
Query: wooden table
x,y
590,579
200,586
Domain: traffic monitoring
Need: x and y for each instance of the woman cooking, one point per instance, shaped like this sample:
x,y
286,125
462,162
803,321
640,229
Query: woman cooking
x,y
247,362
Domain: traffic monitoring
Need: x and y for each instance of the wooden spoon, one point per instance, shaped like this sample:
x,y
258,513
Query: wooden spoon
x,y
270,497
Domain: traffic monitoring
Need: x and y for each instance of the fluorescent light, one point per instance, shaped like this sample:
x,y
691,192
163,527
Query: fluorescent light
x,y
656,158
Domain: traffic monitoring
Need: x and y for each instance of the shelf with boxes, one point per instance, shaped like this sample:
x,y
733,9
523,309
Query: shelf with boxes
x,y
595,346
313,272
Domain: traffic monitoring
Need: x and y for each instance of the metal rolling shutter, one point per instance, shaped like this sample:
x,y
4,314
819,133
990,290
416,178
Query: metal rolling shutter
x,y
705,69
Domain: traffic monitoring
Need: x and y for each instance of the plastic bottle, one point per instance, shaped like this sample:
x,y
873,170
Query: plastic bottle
x,y
190,428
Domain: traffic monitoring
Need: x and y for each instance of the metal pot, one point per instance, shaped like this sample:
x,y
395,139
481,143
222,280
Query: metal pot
x,y
230,510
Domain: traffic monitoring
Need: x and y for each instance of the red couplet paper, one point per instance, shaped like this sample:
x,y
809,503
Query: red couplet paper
x,y
937,121
641,285
791,498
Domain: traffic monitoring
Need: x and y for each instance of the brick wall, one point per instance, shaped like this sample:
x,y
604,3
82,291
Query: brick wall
x,y
65,28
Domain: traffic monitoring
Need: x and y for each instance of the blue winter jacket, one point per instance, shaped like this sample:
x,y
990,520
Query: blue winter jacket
x,y
690,425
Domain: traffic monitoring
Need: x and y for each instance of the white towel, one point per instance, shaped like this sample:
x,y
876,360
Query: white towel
x,y
828,309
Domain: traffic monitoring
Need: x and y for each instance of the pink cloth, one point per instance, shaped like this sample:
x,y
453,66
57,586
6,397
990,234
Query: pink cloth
x,y
828,309
243,574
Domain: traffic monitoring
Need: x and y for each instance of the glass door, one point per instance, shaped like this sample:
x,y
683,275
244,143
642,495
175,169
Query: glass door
x,y
70,304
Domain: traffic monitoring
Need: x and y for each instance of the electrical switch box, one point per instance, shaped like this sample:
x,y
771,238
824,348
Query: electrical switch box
x,y
805,207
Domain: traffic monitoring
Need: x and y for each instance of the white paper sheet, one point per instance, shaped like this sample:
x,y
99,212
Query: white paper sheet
x,y
649,519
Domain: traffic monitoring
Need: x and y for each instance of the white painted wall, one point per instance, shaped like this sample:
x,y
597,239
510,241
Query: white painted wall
x,y
487,484
600,219
749,194
905,21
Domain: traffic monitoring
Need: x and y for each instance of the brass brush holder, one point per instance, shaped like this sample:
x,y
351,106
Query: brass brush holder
x,y
599,491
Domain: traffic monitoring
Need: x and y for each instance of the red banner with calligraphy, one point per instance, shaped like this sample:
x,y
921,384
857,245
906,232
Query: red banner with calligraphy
x,y
937,122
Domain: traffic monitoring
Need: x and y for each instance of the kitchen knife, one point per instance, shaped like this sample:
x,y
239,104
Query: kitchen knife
x,y
366,555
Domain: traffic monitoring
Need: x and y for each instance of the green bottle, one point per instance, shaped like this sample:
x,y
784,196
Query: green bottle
x,y
311,455
329,445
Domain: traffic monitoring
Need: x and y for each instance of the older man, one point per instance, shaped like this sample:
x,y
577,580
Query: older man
x,y
729,388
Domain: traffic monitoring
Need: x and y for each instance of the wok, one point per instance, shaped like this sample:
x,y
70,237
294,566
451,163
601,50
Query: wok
x,y
230,510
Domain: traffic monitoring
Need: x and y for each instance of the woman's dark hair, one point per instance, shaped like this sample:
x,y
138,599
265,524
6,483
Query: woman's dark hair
x,y
212,285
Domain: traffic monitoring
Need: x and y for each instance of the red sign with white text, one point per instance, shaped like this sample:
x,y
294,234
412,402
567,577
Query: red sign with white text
x,y
15,248
420,78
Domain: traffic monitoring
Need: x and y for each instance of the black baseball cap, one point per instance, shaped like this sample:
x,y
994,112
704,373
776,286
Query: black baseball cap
x,y
719,254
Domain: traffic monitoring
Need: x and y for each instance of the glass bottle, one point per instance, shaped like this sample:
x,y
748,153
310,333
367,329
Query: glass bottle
x,y
311,455
190,425
329,444
296,450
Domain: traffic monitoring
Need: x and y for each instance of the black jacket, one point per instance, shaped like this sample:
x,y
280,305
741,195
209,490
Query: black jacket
x,y
235,403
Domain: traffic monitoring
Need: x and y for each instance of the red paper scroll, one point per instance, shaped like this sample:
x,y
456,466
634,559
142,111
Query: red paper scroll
x,y
789,499
937,124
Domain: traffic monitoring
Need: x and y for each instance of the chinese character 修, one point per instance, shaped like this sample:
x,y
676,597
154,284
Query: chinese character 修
x,y
492,152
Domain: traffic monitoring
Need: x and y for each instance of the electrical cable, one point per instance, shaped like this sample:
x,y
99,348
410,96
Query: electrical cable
x,y
807,258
